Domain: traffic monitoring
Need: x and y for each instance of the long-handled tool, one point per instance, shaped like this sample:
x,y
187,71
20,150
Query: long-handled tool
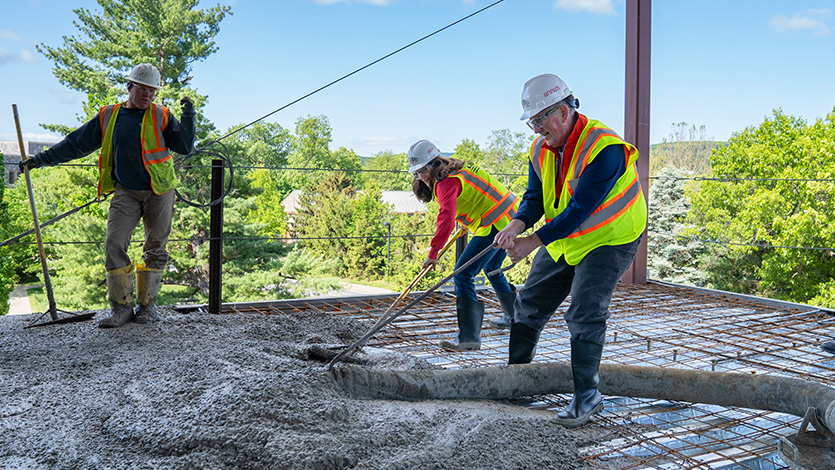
x,y
381,324
419,276
501,270
385,316
53,311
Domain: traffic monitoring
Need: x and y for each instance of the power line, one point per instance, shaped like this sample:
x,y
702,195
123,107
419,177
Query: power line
x,y
724,243
728,179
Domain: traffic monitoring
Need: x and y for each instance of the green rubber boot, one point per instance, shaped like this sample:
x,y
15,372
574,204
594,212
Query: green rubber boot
x,y
148,282
120,295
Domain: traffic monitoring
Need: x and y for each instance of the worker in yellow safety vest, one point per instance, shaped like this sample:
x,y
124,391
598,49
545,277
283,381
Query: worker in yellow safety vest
x,y
135,164
469,195
582,178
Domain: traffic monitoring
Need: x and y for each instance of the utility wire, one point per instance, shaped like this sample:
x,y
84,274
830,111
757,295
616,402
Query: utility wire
x,y
361,69
728,179
206,239
724,243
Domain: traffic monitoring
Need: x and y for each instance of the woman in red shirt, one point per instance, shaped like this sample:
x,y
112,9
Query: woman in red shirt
x,y
467,194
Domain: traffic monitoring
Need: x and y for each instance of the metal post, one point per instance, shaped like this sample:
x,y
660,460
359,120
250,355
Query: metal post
x,y
637,110
216,237
388,248
460,245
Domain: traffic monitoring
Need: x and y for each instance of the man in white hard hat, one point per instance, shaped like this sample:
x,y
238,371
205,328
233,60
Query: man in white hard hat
x,y
136,165
582,178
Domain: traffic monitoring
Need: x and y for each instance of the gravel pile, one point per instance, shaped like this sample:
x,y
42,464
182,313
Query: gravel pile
x,y
205,391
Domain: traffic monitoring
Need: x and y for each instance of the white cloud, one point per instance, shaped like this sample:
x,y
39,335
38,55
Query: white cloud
x,y
9,35
601,7
22,56
807,20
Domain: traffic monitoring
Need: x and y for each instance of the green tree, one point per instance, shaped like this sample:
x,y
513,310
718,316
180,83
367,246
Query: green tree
x,y
686,147
325,215
170,34
671,257
366,253
311,151
772,199
7,274
388,171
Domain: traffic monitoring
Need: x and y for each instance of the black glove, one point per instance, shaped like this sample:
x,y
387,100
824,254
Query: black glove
x,y
186,105
28,163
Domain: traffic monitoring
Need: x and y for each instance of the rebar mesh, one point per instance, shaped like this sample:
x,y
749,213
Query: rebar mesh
x,y
651,325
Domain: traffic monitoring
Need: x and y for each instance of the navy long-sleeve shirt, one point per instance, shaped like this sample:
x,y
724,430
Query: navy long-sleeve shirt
x,y
128,168
596,182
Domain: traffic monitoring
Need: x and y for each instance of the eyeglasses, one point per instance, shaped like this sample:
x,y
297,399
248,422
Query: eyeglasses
x,y
536,123
418,173
144,89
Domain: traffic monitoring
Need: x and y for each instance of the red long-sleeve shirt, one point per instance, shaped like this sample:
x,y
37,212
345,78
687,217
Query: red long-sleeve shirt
x,y
447,190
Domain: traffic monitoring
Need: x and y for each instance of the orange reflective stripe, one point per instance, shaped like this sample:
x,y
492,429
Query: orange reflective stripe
x,y
480,184
611,209
502,208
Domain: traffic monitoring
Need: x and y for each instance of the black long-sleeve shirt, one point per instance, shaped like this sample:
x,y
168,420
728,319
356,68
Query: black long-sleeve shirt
x,y
128,168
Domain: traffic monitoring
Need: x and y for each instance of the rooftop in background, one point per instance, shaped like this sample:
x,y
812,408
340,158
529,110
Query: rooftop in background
x,y
11,156
403,202
659,325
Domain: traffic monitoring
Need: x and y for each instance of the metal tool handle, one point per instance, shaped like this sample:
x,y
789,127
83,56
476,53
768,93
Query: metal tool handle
x,y
381,324
501,270
53,311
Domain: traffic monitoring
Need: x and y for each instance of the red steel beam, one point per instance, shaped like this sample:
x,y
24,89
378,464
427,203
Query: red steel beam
x,y
636,106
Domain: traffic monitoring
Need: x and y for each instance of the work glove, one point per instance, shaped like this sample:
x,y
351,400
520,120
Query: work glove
x,y
28,163
186,105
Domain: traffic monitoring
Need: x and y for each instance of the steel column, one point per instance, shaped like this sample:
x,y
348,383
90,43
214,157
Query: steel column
x,y
637,109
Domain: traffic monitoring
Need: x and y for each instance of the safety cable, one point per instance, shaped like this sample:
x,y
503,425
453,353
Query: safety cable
x,y
225,155
724,243
729,179
207,239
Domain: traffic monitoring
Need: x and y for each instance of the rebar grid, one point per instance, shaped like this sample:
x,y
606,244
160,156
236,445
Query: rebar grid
x,y
651,325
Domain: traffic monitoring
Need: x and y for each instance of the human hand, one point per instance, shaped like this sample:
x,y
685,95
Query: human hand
x,y
506,238
523,247
29,163
186,104
430,262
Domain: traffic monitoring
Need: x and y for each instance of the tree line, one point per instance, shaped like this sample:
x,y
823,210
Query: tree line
x,y
762,225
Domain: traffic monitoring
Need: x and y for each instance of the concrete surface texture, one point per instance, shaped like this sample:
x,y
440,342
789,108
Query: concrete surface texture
x,y
239,391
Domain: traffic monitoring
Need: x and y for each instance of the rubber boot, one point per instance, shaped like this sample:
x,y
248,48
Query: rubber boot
x,y
148,282
506,300
585,360
120,295
470,317
522,347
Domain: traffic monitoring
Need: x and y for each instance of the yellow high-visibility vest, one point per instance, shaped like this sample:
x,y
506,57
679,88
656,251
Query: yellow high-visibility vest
x,y
484,201
620,219
155,155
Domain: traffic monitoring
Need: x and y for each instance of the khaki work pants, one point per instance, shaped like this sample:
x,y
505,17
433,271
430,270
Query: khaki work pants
x,y
127,206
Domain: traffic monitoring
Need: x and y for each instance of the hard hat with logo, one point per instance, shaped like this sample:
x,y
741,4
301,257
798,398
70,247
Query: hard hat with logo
x,y
421,153
542,92
145,74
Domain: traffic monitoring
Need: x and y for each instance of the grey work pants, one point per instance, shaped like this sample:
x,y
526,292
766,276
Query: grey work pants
x,y
591,284
127,206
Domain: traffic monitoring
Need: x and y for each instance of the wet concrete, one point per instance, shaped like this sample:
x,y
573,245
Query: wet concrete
x,y
239,391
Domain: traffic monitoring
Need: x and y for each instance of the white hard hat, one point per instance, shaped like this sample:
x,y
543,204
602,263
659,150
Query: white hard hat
x,y
145,74
421,153
542,92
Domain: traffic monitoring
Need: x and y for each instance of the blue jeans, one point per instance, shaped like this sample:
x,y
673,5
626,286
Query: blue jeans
x,y
591,284
464,286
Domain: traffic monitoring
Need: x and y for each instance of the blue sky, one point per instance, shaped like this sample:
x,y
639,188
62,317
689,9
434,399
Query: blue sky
x,y
722,64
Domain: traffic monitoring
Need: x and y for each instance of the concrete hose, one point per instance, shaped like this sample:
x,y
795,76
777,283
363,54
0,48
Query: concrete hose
x,y
761,392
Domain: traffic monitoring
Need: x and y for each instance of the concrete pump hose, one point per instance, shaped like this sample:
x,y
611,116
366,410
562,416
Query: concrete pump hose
x,y
761,392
